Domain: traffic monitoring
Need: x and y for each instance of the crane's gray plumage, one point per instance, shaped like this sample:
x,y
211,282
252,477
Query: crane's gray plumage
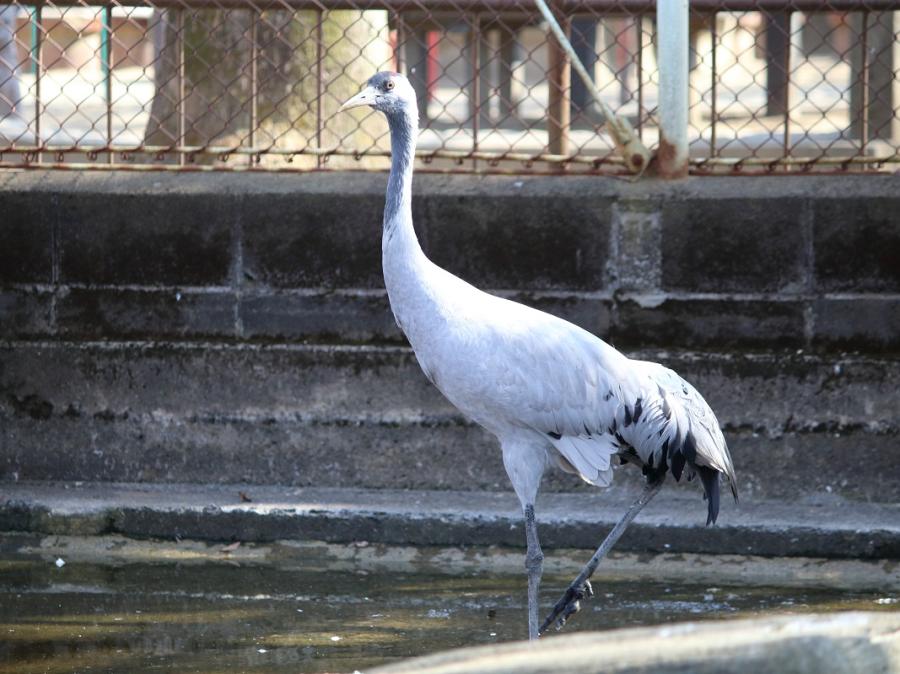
x,y
551,392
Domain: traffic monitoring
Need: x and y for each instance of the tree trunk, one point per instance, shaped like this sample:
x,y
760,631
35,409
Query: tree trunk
x,y
217,73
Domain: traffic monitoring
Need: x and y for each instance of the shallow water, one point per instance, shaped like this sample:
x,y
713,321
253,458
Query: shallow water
x,y
223,618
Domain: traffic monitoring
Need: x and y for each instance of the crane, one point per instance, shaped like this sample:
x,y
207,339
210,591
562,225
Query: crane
x,y
551,392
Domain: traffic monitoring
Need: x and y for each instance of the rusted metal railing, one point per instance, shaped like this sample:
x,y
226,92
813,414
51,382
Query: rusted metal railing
x,y
772,85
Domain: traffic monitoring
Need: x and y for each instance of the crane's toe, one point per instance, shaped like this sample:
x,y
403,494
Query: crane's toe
x,y
573,606
568,605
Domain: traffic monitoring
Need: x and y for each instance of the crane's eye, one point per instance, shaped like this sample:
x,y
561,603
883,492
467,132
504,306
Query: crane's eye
x,y
389,85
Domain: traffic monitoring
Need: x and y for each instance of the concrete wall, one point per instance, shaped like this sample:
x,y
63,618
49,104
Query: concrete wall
x,y
235,327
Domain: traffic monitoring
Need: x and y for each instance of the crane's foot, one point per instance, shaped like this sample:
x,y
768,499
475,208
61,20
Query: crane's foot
x,y
568,605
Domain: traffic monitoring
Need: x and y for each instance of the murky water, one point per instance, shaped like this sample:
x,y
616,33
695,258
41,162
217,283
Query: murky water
x,y
222,618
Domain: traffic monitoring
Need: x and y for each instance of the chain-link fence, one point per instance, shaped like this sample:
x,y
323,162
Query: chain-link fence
x,y
775,85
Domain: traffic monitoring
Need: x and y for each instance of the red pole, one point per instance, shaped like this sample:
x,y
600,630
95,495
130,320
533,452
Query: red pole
x,y
432,67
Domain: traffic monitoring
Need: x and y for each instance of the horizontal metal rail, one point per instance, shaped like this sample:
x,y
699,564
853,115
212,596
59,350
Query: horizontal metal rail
x,y
525,6
224,152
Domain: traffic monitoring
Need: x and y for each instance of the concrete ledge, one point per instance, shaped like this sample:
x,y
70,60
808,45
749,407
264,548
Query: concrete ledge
x,y
798,425
842,643
671,524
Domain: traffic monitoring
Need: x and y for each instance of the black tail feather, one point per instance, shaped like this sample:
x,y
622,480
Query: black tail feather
x,y
710,478
677,465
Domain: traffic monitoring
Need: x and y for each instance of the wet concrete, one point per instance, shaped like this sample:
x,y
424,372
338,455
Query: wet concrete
x,y
674,522
209,609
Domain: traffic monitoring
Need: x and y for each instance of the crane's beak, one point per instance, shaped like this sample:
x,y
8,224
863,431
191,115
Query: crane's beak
x,y
364,97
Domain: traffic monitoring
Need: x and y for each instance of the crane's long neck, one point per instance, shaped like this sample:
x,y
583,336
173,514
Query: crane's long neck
x,y
398,223
408,274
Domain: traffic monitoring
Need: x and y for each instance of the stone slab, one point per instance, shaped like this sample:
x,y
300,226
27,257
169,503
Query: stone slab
x,y
842,643
362,416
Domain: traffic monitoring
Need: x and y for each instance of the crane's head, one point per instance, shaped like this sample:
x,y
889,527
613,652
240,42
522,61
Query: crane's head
x,y
387,92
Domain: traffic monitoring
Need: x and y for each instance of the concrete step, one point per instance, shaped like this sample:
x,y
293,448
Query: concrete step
x,y
671,524
360,416
160,330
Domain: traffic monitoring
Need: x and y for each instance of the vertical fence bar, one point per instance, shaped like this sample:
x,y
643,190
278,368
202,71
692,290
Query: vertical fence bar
x,y
180,105
37,28
320,55
475,88
893,128
106,69
714,91
560,75
672,28
254,81
640,75
787,88
864,86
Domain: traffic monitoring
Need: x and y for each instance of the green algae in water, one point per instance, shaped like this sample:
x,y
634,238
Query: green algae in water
x,y
220,618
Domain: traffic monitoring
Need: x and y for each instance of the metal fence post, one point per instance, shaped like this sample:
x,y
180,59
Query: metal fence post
x,y
559,73
672,27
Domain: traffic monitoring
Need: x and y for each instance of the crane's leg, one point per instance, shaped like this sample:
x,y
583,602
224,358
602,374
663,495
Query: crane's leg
x,y
570,603
534,564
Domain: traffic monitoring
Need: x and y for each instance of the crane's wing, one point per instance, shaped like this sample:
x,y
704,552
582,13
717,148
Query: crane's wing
x,y
567,384
592,402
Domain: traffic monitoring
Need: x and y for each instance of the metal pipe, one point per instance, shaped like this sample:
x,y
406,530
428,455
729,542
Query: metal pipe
x,y
254,79
37,61
787,89
463,154
475,89
864,86
220,167
640,76
106,69
672,27
566,6
320,88
699,167
179,50
636,156
215,150
714,110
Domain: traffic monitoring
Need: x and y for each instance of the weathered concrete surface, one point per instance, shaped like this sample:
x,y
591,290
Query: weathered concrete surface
x,y
673,523
276,257
843,643
234,328
798,425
